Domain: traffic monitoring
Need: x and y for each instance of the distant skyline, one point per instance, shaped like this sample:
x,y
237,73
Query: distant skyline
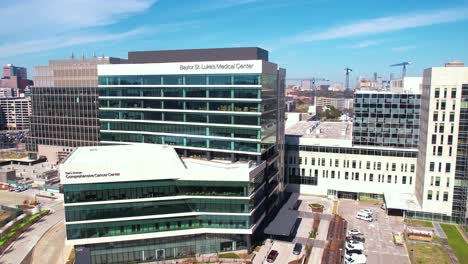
x,y
316,38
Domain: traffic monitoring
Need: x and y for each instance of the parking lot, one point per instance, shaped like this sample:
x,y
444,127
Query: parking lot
x,y
301,234
378,246
16,198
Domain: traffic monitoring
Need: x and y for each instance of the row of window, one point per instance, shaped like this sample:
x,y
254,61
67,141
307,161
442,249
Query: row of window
x,y
106,211
186,92
181,141
76,193
183,129
453,93
212,79
349,176
379,96
180,117
94,230
354,151
199,106
437,196
377,165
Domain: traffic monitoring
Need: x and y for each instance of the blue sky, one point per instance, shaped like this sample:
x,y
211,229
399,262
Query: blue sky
x,y
308,37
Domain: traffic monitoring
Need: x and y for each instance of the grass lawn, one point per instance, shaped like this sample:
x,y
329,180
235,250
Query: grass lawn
x,y
24,222
429,254
229,255
456,242
419,223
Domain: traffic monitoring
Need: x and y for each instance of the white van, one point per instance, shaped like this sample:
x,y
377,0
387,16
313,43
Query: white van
x,y
364,216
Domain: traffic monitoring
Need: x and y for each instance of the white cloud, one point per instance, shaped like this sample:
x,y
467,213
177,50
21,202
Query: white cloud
x,y
365,44
37,45
46,17
382,25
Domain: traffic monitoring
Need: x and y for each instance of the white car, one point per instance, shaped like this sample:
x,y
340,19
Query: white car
x,y
355,259
364,216
354,247
367,210
354,242
354,232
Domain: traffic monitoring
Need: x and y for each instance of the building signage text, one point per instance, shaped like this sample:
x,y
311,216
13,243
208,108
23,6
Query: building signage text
x,y
79,175
217,66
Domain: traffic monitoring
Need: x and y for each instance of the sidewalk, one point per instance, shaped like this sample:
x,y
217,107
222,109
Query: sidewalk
x,y
260,256
23,245
321,239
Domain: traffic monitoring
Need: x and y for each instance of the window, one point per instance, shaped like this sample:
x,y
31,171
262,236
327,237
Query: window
x,y
412,167
379,167
333,174
302,172
432,180
450,151
445,93
443,105
368,165
403,180
300,160
452,117
313,161
454,93
437,181
450,140
435,117
431,166
389,178
447,167
439,151
346,175
429,195
437,196
337,163
445,198
396,179
441,139
371,177
305,161
434,139
448,182
356,176
393,166
354,164
441,128
451,128
410,180
437,93
323,162
440,166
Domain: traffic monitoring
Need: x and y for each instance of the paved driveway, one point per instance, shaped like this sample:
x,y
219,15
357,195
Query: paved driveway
x,y
379,246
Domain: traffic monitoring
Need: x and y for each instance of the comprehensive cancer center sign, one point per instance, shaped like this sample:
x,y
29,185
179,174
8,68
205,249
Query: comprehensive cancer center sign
x,y
81,175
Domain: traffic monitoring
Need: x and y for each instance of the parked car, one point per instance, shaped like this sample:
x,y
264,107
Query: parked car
x,y
364,216
272,256
354,232
354,247
359,238
297,249
355,259
367,210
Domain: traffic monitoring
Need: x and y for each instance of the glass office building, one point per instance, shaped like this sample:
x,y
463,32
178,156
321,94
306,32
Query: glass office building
x,y
223,107
386,119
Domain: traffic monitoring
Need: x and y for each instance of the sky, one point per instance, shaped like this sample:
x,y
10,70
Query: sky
x,y
310,38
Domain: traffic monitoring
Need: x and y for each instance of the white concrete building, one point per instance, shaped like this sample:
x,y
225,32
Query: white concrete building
x,y
406,85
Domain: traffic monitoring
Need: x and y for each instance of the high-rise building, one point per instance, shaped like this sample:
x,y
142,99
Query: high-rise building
x,y
386,119
222,112
16,78
408,149
15,113
65,106
442,169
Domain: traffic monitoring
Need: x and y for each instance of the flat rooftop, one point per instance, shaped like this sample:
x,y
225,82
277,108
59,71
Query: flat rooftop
x,y
321,130
192,55
142,162
402,201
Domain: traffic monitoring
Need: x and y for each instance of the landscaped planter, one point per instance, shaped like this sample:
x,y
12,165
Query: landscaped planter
x,y
316,208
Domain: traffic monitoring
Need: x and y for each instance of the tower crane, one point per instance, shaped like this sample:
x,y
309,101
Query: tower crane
x,y
404,64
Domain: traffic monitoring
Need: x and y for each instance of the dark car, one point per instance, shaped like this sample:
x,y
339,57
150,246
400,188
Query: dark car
x,y
297,249
272,256
359,238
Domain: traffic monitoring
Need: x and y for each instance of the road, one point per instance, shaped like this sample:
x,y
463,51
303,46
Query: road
x,y
23,245
51,248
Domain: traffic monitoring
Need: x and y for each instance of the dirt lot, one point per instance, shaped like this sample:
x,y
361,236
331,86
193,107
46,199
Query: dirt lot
x,y
379,246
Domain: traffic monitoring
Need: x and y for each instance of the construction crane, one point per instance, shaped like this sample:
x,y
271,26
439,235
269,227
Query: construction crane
x,y
348,70
404,64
